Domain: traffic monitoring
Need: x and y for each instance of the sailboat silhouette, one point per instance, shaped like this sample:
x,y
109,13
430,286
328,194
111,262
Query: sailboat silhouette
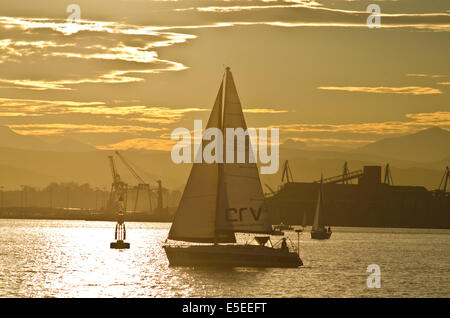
x,y
318,230
221,199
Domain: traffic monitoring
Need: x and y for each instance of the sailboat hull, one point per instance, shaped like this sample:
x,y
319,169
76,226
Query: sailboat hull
x,y
320,235
231,256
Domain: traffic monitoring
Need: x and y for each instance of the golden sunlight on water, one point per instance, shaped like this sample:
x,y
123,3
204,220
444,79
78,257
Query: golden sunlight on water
x,y
42,258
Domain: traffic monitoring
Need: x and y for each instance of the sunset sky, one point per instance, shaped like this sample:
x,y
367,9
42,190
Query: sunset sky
x,y
131,71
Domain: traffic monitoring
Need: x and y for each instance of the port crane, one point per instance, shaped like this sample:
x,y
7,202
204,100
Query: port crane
x,y
388,175
444,182
118,187
142,185
345,174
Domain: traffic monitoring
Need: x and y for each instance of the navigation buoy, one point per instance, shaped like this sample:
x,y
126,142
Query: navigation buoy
x,y
120,234
119,244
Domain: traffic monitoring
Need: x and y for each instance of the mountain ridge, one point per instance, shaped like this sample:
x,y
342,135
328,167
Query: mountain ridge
x,y
431,144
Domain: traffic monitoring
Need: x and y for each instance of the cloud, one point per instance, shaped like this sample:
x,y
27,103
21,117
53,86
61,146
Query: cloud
x,y
407,90
131,48
16,114
146,112
31,106
133,113
237,8
440,118
314,14
326,142
264,111
319,135
141,143
427,75
62,129
414,123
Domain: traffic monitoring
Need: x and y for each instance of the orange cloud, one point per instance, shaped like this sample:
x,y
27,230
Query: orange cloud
x,y
11,107
141,143
323,142
61,129
264,111
431,118
408,90
114,34
427,75
416,122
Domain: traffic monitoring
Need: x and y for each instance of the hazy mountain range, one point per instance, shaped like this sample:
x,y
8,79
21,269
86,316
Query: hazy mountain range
x,y
416,159
426,145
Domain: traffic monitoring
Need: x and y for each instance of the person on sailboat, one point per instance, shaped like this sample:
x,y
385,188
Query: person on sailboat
x,y
284,246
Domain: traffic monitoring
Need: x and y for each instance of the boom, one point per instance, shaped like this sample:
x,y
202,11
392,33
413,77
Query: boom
x,y
142,185
115,175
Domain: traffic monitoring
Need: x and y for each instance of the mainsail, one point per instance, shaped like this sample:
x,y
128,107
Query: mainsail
x,y
222,198
318,218
194,220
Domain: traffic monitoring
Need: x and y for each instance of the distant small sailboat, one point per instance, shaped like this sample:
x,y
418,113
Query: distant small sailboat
x,y
319,231
221,199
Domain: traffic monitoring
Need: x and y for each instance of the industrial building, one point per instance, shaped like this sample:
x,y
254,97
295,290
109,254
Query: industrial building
x,y
369,203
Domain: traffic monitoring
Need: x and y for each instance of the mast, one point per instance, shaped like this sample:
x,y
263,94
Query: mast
x,y
219,198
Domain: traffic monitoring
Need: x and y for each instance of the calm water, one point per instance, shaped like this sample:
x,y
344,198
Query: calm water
x,y
40,258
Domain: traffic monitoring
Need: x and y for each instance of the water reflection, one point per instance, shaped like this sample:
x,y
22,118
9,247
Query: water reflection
x,y
73,259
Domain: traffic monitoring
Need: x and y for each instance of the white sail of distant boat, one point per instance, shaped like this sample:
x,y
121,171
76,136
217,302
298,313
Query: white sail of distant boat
x,y
221,199
318,230
318,224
